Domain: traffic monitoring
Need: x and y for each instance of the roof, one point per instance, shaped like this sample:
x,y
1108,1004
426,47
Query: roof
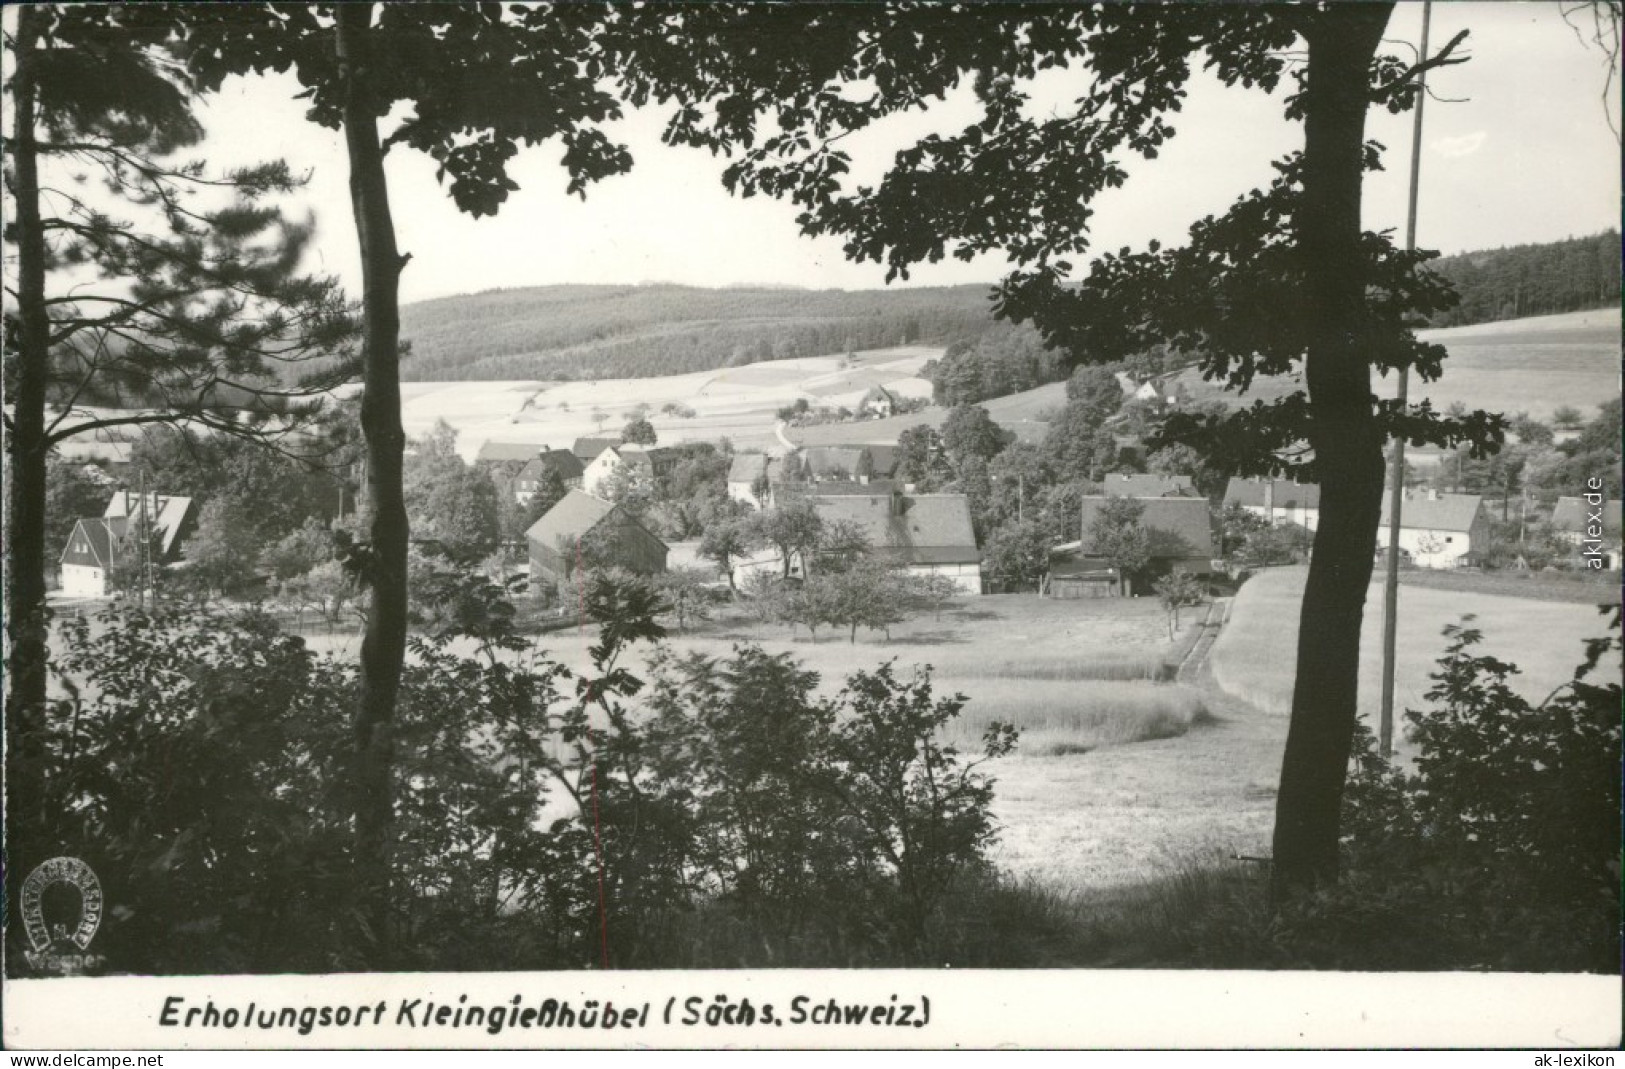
x,y
169,516
1135,485
1183,521
1286,493
916,529
566,463
1443,512
882,459
586,450
1573,514
748,467
820,459
841,488
878,392
504,451
99,539
574,515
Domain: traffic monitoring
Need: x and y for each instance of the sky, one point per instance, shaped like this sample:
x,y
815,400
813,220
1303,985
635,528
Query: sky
x,y
1516,149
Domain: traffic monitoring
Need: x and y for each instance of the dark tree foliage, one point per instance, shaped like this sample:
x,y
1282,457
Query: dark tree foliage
x,y
478,83
1531,280
142,281
1502,841
1004,360
1285,283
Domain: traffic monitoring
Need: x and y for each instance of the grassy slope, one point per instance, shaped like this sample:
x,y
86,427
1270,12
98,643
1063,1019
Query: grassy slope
x,y
1253,658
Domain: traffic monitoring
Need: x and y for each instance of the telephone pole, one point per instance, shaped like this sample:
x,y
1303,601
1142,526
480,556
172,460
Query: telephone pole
x,y
1396,478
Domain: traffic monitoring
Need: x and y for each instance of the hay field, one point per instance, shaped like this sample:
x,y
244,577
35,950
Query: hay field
x,y
1253,658
734,403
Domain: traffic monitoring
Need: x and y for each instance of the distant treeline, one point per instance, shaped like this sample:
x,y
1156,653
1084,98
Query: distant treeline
x,y
1532,280
593,332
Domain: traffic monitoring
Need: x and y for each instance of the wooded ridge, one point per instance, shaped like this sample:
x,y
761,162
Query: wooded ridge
x,y
591,332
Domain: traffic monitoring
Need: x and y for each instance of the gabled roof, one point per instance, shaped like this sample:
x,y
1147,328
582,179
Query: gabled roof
x,y
497,452
574,515
748,467
98,541
882,459
586,450
561,461
1179,525
824,459
1571,514
1137,485
914,529
1427,512
878,392
1287,494
841,488
169,517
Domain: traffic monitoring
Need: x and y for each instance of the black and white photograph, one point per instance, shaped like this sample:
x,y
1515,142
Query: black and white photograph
x,y
870,524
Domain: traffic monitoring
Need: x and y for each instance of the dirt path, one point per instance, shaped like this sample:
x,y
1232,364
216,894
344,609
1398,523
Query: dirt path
x,y
1120,814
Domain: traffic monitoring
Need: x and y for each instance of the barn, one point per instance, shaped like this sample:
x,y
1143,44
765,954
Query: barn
x,y
588,530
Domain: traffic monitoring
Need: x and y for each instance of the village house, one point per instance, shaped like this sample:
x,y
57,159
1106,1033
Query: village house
x,y
581,525
95,543
1438,530
586,450
638,464
924,534
1276,500
838,463
751,477
1592,526
529,479
1181,537
508,452
878,403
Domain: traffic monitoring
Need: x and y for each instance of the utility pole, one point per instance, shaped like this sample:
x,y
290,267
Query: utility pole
x,y
1396,478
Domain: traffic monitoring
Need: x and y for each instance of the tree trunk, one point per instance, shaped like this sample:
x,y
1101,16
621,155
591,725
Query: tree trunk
x,y
1347,446
27,805
383,645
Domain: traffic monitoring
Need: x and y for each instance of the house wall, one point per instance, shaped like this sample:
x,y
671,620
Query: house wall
x,y
1300,515
84,581
743,492
1429,548
967,577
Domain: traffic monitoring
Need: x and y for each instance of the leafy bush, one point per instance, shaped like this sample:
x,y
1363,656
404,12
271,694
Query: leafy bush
x,y
202,765
1502,848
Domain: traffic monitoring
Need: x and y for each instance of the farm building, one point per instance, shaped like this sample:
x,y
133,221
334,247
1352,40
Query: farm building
x,y
1139,485
1181,536
95,542
582,528
639,464
562,461
824,463
751,477
878,402
1592,524
505,452
586,450
926,534
1438,530
1277,500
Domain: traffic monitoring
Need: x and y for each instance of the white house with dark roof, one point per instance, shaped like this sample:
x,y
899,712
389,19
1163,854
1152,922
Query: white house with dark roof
x,y
95,542
1438,530
1276,500
924,534
751,477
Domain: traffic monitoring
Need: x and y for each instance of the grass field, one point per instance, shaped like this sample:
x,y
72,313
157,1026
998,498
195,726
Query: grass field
x,y
1253,658
1530,365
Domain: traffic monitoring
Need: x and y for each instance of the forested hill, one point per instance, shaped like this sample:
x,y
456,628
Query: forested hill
x,y
593,332
1532,280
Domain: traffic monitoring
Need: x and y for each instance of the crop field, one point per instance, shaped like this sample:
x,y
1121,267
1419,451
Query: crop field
x,y
1253,658
734,403
1533,365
